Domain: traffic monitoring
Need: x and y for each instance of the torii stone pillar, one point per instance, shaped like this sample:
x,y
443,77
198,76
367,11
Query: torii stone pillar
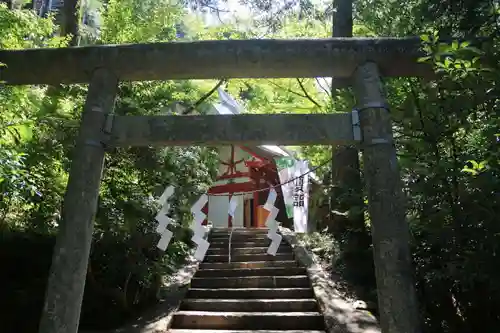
x,y
63,300
393,268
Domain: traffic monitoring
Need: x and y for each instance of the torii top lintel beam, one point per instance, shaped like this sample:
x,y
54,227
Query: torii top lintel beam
x,y
262,58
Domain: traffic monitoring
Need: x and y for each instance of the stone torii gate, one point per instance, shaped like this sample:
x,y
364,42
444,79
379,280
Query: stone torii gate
x,y
362,59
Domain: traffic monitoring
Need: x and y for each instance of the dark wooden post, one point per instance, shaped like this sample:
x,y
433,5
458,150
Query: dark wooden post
x,y
345,159
396,293
61,312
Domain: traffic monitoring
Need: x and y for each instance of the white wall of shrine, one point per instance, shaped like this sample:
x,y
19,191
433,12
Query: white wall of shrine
x,y
218,208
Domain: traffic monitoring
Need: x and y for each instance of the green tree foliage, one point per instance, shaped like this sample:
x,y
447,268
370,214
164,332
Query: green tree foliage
x,y
38,126
446,124
447,139
447,133
446,128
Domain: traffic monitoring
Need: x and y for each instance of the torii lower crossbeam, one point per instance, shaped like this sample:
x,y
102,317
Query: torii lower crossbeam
x,y
244,129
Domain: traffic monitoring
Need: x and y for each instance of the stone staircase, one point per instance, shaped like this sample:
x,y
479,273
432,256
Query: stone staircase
x,y
256,292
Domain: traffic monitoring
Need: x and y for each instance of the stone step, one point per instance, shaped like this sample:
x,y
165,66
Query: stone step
x,y
297,281
240,272
242,331
237,237
250,293
240,243
238,231
248,257
248,320
247,250
254,305
249,264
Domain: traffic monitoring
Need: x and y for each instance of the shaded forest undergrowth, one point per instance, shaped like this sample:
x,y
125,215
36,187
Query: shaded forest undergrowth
x,y
124,279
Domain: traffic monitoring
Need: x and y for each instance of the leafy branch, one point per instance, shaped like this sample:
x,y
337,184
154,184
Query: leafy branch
x,y
306,94
204,97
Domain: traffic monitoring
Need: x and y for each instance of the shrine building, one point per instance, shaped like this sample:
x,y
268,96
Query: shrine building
x,y
247,173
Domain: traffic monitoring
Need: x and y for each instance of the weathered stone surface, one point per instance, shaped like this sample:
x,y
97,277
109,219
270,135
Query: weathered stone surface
x,y
240,244
390,231
244,129
249,264
340,316
248,257
300,281
247,250
248,232
247,305
66,281
269,58
244,331
255,298
239,272
250,293
239,238
248,320
235,310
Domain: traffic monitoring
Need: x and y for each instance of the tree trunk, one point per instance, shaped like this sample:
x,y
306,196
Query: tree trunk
x,y
71,20
346,192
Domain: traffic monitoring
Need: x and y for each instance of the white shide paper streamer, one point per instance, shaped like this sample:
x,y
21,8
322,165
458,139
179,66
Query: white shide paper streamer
x,y
271,223
198,229
163,219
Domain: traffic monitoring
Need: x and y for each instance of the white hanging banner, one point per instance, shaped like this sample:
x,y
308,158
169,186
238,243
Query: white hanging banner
x,y
295,191
286,170
301,197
